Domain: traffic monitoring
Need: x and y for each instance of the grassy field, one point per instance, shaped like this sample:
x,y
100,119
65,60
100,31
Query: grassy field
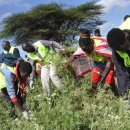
x,y
72,110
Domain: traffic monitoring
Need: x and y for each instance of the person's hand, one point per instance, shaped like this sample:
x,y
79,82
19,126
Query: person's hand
x,y
104,75
31,84
25,114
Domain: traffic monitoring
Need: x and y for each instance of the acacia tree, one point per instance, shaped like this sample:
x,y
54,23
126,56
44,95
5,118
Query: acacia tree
x,y
51,21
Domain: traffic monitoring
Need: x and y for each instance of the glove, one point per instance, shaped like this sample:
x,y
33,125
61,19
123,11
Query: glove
x,y
25,114
31,84
104,75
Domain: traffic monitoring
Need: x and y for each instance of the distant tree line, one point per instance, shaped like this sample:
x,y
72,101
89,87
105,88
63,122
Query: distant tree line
x,y
51,21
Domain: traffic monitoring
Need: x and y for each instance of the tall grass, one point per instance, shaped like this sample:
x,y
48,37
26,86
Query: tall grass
x,y
71,110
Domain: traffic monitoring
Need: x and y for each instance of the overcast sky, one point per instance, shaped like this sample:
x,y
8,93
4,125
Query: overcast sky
x,y
114,10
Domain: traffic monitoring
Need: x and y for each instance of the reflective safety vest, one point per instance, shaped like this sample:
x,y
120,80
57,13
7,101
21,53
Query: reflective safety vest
x,y
3,65
125,26
2,77
98,45
46,54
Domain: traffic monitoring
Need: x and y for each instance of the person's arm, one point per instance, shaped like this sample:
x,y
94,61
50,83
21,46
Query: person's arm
x,y
52,44
106,71
57,45
107,67
9,79
33,63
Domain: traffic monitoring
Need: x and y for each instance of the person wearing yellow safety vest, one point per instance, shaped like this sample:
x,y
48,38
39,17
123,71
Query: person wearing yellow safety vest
x,y
10,49
119,41
96,49
84,33
10,78
97,33
45,51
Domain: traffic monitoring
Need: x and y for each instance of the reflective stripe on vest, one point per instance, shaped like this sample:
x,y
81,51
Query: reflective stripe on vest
x,y
125,25
11,50
125,57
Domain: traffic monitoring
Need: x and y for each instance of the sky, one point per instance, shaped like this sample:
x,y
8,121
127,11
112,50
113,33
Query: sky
x,y
114,10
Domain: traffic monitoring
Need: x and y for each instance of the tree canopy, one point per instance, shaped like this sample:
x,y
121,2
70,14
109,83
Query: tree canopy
x,y
51,21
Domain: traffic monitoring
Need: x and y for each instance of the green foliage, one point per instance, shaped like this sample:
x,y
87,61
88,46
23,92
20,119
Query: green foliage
x,y
51,21
71,110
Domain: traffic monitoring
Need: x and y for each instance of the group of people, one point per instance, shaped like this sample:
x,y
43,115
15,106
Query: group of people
x,y
14,78
118,40
13,81
109,55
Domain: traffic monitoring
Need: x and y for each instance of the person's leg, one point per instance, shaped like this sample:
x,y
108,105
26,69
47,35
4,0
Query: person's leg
x,y
111,81
22,101
11,106
96,77
45,76
55,79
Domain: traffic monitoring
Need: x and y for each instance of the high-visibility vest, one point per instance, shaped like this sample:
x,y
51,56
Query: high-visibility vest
x,y
2,81
125,26
96,56
2,77
46,53
3,65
